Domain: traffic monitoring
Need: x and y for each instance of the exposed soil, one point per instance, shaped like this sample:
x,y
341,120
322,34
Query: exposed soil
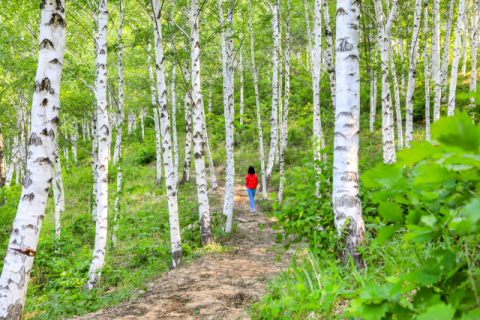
x,y
217,285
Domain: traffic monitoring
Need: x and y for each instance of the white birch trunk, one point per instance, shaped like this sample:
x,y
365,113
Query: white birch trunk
x,y
59,180
129,121
465,42
284,138
174,126
456,57
134,123
103,128
65,153
83,131
373,92
345,195
210,95
2,161
273,118
411,75
74,145
171,188
39,171
316,72
427,76
384,30
440,92
241,88
257,102
473,51
227,64
94,168
206,232
437,62
188,132
118,142
329,53
398,107
142,126
158,144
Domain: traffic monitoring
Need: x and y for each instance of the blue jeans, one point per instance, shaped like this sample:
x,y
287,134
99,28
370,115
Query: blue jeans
x,y
251,195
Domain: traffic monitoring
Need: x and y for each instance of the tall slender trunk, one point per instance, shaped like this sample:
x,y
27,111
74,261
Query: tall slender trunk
x,y
74,136
280,83
329,53
118,143
39,171
373,92
188,130
158,135
437,62
142,125
158,144
228,61
103,128
58,179
398,107
210,95
94,167
473,51
465,42
83,131
284,138
274,117
2,161
345,195
171,188
456,57
213,176
384,31
412,71
446,50
206,232
174,126
427,76
241,88
257,102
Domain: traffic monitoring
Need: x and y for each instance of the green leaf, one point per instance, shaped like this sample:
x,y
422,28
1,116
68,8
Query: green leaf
x,y
273,196
383,175
437,312
457,133
384,234
390,211
472,210
417,153
433,173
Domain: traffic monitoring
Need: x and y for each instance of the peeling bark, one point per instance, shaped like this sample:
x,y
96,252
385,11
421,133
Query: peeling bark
x,y
257,102
103,131
36,185
345,195
456,57
206,232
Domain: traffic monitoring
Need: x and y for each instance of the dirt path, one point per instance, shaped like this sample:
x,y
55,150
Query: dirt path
x,y
216,286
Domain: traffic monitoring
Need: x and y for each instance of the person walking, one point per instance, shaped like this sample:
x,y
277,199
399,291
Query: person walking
x,y
251,182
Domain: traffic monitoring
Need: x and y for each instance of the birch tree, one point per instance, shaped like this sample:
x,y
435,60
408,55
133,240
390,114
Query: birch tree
x,y
465,42
373,91
427,75
206,232
171,187
437,78
103,131
188,130
411,74
241,88
284,137
119,138
329,53
174,126
345,195
227,64
2,161
39,171
257,103
398,107
456,56
274,117
473,50
384,32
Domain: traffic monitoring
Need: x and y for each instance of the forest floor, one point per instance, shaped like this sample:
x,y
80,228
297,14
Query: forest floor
x,y
219,285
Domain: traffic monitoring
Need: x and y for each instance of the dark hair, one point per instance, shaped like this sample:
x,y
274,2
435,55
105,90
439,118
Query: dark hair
x,y
251,170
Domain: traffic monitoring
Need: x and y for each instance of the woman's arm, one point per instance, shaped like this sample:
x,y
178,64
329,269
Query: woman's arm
x,y
246,181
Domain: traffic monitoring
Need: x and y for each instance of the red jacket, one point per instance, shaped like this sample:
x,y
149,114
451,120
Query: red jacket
x,y
251,181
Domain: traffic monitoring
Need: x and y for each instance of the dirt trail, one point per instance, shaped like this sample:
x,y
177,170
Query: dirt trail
x,y
216,286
